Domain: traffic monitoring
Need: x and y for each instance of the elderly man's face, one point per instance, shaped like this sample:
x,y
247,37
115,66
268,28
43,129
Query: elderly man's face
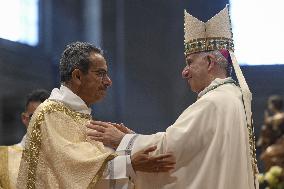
x,y
95,83
196,71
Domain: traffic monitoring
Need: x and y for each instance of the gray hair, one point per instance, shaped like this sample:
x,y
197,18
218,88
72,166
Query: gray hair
x,y
221,61
76,56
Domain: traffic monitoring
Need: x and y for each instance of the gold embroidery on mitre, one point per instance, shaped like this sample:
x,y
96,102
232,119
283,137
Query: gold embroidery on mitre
x,y
215,34
32,150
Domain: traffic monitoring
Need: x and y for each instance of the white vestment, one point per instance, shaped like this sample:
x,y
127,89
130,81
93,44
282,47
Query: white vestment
x,y
210,142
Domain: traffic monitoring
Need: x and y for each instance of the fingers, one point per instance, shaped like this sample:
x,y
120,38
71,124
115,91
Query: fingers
x,y
99,139
121,125
122,128
164,160
164,156
159,168
92,133
100,123
97,128
165,164
164,169
162,163
142,161
168,159
118,126
150,149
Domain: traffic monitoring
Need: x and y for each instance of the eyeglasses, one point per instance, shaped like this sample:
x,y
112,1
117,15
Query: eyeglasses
x,y
101,73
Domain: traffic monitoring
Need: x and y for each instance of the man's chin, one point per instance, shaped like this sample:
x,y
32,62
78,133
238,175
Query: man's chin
x,y
102,95
193,89
103,92
190,86
98,99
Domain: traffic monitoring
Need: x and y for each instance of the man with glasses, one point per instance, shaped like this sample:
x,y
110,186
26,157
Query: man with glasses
x,y
10,156
58,153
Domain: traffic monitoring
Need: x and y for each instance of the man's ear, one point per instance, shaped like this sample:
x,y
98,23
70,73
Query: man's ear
x,y
76,76
25,119
211,61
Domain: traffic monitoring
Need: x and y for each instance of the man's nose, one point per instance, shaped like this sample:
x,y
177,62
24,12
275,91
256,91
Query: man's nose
x,y
107,81
184,72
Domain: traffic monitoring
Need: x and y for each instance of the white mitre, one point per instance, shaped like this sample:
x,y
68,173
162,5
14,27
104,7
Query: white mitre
x,y
216,34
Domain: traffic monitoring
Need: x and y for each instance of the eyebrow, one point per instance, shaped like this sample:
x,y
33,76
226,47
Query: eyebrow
x,y
100,70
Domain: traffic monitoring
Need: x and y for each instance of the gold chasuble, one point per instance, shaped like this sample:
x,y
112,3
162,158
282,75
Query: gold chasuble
x,y
10,158
57,153
4,173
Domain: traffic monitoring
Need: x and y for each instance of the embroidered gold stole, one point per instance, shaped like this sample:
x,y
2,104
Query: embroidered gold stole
x,y
57,153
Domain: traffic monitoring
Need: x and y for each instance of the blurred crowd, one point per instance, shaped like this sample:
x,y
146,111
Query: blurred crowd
x,y
271,144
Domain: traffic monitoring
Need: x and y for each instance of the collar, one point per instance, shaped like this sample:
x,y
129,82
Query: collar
x,y
66,96
214,84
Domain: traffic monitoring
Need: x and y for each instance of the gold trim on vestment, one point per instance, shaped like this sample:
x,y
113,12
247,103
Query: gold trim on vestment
x,y
32,150
4,173
101,171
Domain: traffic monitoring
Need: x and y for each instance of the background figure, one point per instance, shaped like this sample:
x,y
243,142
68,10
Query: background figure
x,y
10,156
273,127
271,140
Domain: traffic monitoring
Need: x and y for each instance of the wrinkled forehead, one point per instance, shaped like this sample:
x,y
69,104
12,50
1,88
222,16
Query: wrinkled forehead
x,y
97,61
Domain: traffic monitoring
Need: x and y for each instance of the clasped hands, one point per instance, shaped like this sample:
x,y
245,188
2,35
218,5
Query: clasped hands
x,y
111,134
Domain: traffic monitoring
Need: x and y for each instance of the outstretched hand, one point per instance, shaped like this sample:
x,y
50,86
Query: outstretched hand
x,y
142,161
105,132
123,128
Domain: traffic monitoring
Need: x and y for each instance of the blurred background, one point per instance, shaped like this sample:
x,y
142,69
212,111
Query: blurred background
x,y
143,44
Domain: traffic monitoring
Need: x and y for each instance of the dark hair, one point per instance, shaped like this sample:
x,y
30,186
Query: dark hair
x,y
38,95
276,101
76,56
